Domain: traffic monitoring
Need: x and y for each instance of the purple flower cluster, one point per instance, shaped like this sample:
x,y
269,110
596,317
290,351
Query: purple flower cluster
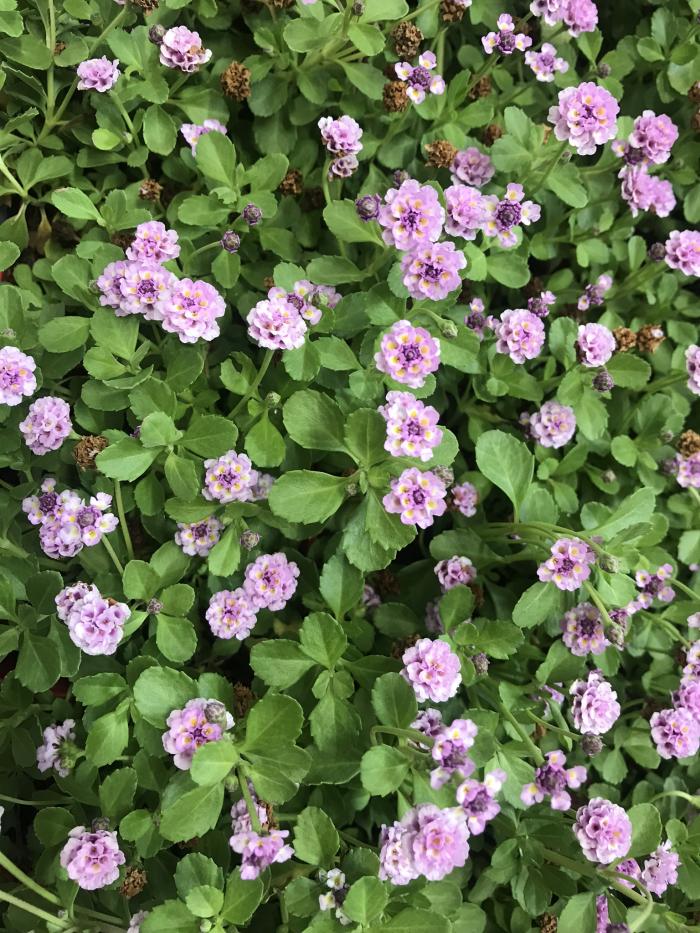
x,y
478,799
539,304
153,242
280,321
17,377
595,344
455,572
465,211
645,192
595,709
692,364
552,426
341,138
182,49
506,40
683,251
52,751
189,729
418,498
98,74
585,116
229,478
192,131
198,538
651,140
411,215
471,167
604,831
569,564
504,215
546,63
465,498
408,354
652,586
427,842
676,733
688,470
257,851
95,623
136,921
432,271
68,523
419,79
411,426
593,294
271,581
552,780
47,424
583,630
520,334
579,15
231,614
450,751
661,869
92,859
432,669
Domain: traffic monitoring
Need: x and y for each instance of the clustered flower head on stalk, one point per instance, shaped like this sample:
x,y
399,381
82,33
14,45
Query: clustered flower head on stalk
x,y
408,354
95,623
645,192
182,49
411,215
67,522
651,140
466,213
191,132
465,499
432,271
432,669
604,831
427,842
552,426
418,498
57,747
198,538
257,850
17,377
457,571
687,470
683,251
676,733
478,799
692,365
92,859
661,869
545,64
520,334
652,585
190,728
569,565
595,345
153,242
583,630
595,709
411,426
271,581
593,295
334,897
579,15
419,79
231,614
503,216
98,74
476,319
341,137
506,40
47,424
280,321
585,117
552,780
229,478
471,167
540,304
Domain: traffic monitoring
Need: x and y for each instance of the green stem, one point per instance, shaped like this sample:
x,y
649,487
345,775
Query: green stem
x,y
122,519
550,725
419,10
112,553
535,753
253,387
125,117
663,382
598,602
204,249
34,803
51,45
685,589
552,164
693,799
412,734
252,809
588,871
11,179
28,882
348,837
51,919
325,183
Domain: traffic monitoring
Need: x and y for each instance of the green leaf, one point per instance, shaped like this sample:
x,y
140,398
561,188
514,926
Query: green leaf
x,y
140,580
264,444
160,130
456,606
9,254
210,435
216,158
565,182
117,793
341,585
241,898
193,813
267,172
314,421
38,664
64,333
538,603
414,920
394,701
76,204
507,462
274,720
170,916
323,639
212,763
365,434
365,900
119,335
126,460
160,690
52,825
646,829
629,372
182,477
279,662
204,901
196,869
579,914
225,556
98,688
342,220
108,737
509,270
158,430
315,837
176,638
307,497
383,770
278,773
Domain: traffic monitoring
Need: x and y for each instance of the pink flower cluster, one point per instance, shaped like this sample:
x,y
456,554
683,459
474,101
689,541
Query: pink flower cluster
x,y
471,167
546,63
229,478
47,424
595,345
427,842
190,728
280,321
192,131
552,780
652,586
432,271
418,498
257,850
585,116
198,538
17,377
52,751
95,623
411,426
432,669
450,748
419,79
504,215
645,192
583,630
683,251
519,334
408,354
465,498
271,581
455,572
595,709
569,564
688,470
692,364
98,74
593,294
604,831
411,215
231,614
552,426
506,40
67,523
182,49
92,859
579,15
341,138
478,799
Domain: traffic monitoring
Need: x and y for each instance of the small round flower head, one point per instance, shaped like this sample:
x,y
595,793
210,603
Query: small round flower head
x,y
683,251
261,488
450,751
432,271
645,192
341,136
417,498
258,852
569,564
471,167
546,63
47,424
136,921
71,596
252,215
271,581
370,598
49,753
231,614
419,79
694,619
153,242
465,498
48,505
553,780
691,670
427,842
96,624
502,217
276,324
343,167
192,131
579,15
692,364
229,478
146,288
628,866
520,334
189,729
77,524
688,470
98,74
553,425
92,859
408,354
583,631
432,669
550,10
198,538
182,49
595,344
661,869
411,426
676,733
654,136
465,211
586,117
478,800
17,377
604,831
595,709
411,215
368,207
455,572
653,585
540,304
192,311
506,40
109,285
593,295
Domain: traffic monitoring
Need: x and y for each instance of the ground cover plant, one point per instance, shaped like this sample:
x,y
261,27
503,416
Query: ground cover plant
x,y
349,485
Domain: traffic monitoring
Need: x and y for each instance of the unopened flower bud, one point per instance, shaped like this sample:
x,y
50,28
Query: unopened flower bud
x,y
156,33
92,286
99,824
215,713
609,563
449,329
669,466
604,70
603,381
252,215
230,241
352,489
666,437
445,474
367,207
567,155
358,8
154,607
400,177
481,663
249,539
609,476
591,745
657,252
273,399
205,926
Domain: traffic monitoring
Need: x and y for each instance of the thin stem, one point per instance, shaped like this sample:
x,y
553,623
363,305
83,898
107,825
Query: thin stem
x,y
685,589
253,387
11,179
115,560
122,519
204,249
553,163
534,750
598,602
252,809
37,911
413,734
693,799
28,882
664,382
419,10
550,725
33,803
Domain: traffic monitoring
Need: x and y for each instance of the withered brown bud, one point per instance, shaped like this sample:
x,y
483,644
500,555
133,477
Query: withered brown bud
x,y
452,11
292,183
235,81
625,339
407,40
150,190
688,443
491,133
440,154
87,449
394,96
482,88
650,338
135,880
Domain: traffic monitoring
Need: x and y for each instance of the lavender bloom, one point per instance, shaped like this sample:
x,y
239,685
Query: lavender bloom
x,y
109,284
370,597
96,624
546,63
629,867
539,305
192,131
465,498
49,505
553,425
418,498
661,869
520,334
16,376
198,538
262,486
595,709
411,426
368,207
676,733
146,288
67,523
271,581
229,478
595,344
644,192
691,670
471,167
432,271
604,831
50,754
153,242
419,78
506,40
182,49
47,424
455,572
259,852
502,217
450,751
654,136
408,354
476,319
694,619
342,136
231,614
432,669
579,15
189,729
688,470
192,310
593,294
478,800
240,817
552,780
98,74
602,915
549,10
465,211
276,325
586,116
652,586
411,215
583,630
569,564
92,860
302,298
683,251
427,842
692,364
